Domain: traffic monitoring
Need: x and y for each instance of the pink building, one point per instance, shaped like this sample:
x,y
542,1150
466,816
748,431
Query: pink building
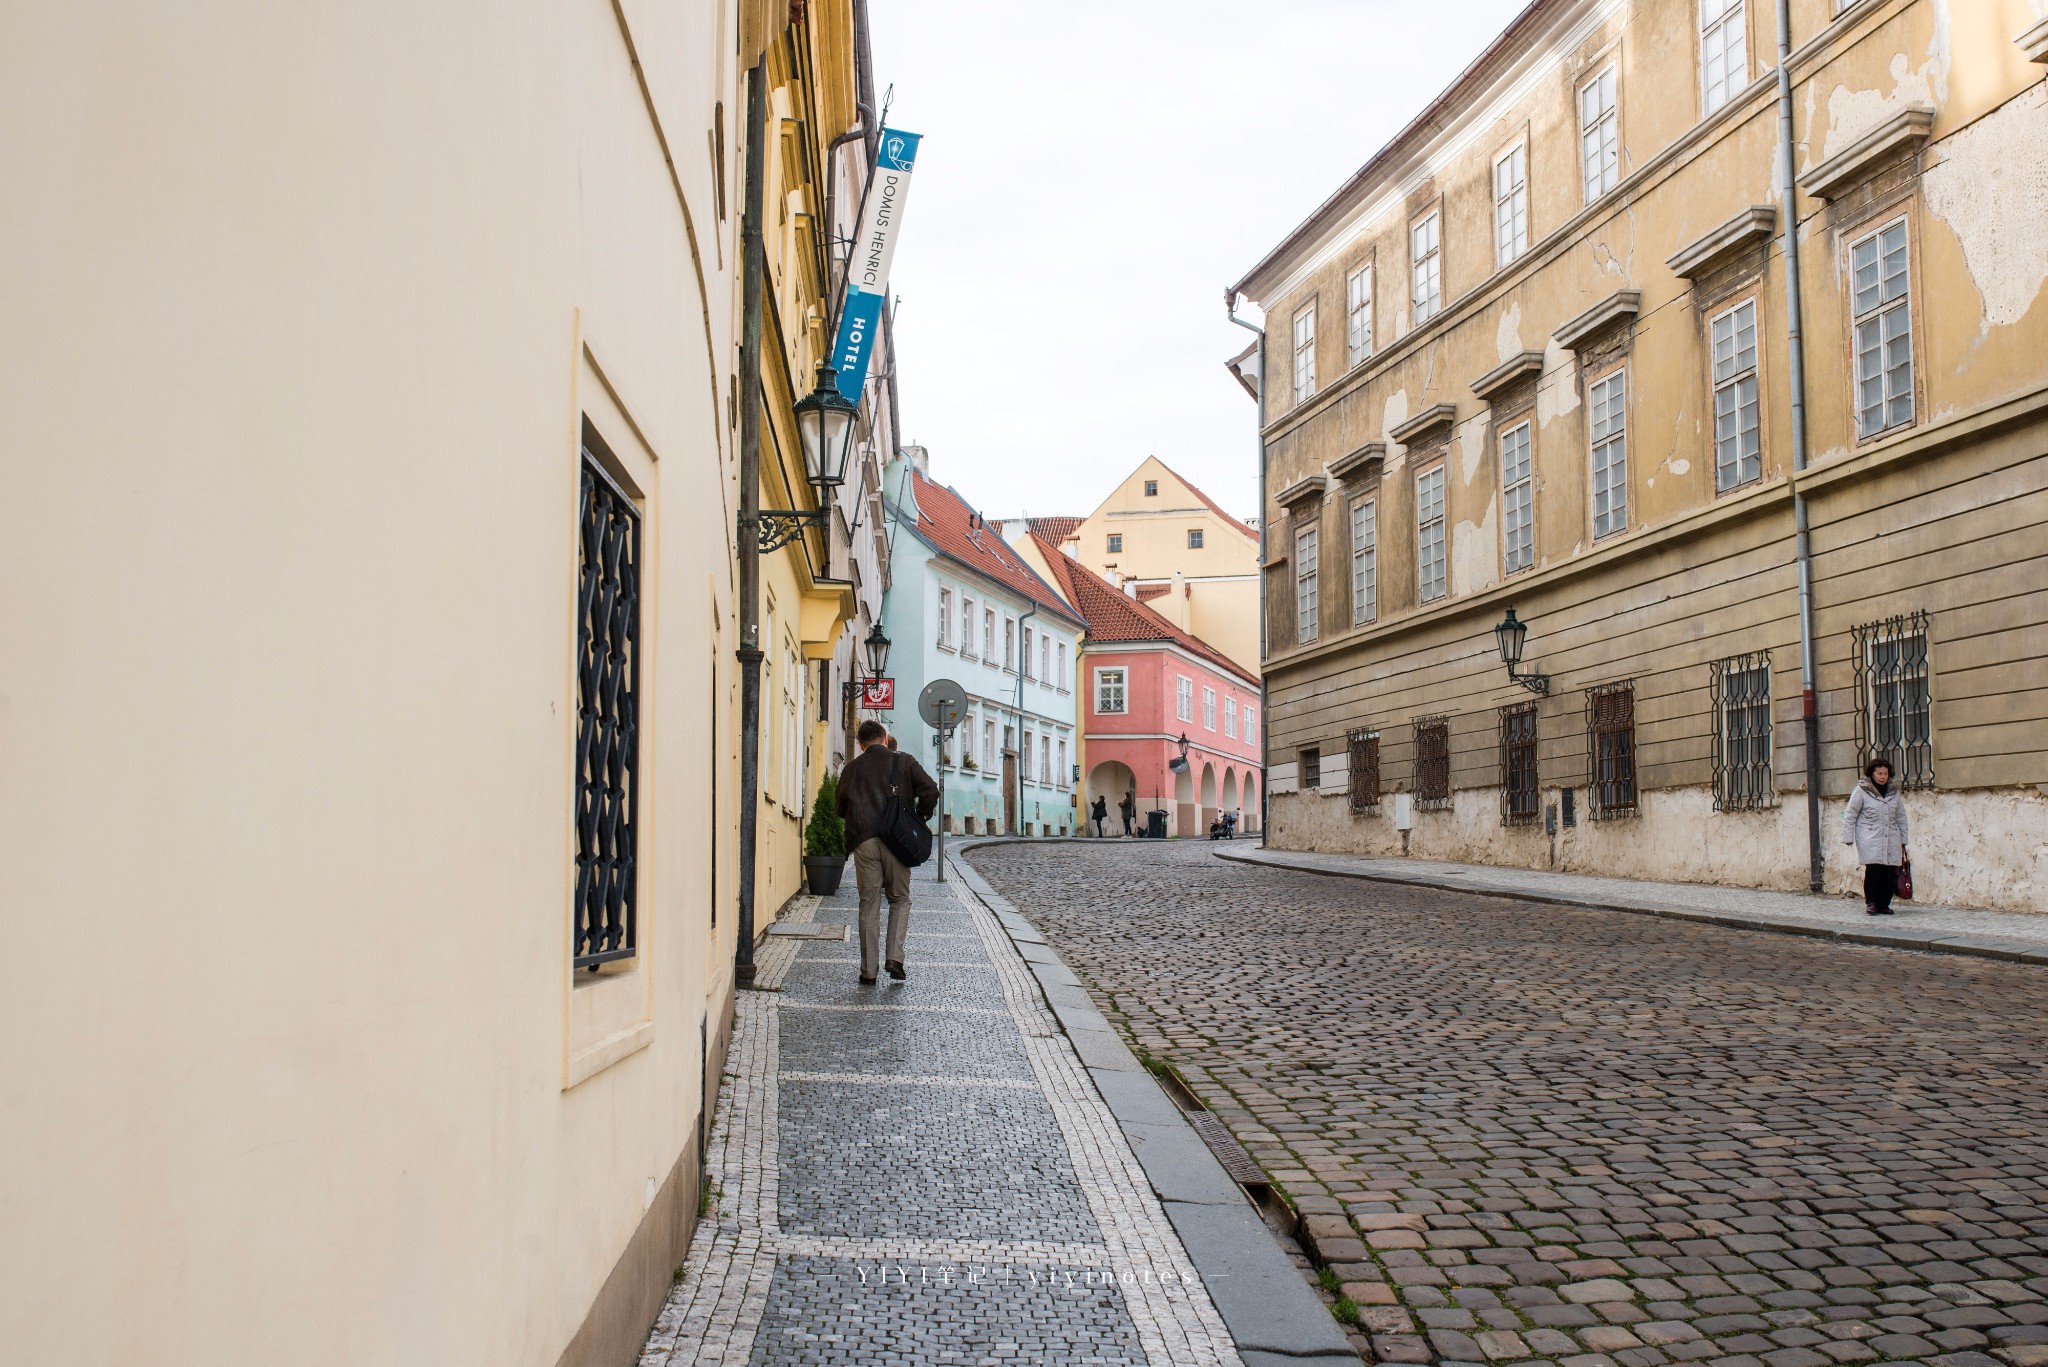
x,y
1145,685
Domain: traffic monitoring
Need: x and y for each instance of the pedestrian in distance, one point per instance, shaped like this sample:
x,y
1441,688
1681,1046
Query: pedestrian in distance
x,y
1099,813
1875,824
867,783
1129,808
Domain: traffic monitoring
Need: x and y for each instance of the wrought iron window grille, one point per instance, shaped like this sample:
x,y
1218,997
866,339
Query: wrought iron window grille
x,y
1740,689
1894,697
1611,750
1364,746
1520,793
606,919
1433,763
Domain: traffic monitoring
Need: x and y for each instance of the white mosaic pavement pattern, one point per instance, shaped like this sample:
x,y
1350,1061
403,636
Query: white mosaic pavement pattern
x,y
716,1312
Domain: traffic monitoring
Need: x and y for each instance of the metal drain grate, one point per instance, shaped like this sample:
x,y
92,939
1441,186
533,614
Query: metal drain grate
x,y
1241,1166
805,930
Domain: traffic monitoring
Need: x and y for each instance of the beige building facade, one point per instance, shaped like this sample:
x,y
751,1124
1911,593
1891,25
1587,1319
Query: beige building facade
x,y
1535,354
368,695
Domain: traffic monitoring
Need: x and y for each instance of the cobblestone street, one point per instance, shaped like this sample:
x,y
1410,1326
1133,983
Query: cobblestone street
x,y
1522,1132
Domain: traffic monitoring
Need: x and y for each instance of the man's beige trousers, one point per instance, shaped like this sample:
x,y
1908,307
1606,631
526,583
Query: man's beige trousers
x,y
876,870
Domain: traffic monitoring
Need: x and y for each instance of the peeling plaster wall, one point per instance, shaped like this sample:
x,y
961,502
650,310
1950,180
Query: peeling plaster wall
x,y
1974,849
1990,188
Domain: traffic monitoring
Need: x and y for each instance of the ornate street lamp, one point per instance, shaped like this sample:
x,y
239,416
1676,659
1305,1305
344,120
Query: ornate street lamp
x,y
824,424
1512,635
1179,763
878,652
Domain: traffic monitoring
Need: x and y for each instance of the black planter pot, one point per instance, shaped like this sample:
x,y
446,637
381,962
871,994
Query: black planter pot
x,y
822,872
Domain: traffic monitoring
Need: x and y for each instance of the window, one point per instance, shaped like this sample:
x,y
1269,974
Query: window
x,y
1115,545
1611,745
1517,501
1311,770
1045,759
1894,699
1883,321
1365,575
1209,709
988,745
1109,691
1511,206
1430,578
604,924
1741,718
1599,135
1194,538
1306,605
945,619
1358,309
1433,763
1426,268
1606,400
1044,658
1230,717
1737,454
1061,771
1151,488
1251,724
1518,789
1305,353
1364,747
1184,699
1024,758
1026,659
988,634
967,627
1724,52
1009,644
1062,679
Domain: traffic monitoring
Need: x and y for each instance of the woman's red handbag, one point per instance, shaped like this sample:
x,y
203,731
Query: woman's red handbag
x,y
1906,881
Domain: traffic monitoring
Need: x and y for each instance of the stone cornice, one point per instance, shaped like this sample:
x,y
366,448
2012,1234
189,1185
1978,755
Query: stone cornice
x,y
1525,365
1752,225
1612,312
1428,420
1365,462
2034,42
1303,489
1904,132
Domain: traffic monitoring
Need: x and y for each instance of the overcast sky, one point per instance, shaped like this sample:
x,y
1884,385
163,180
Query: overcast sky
x,y
1094,173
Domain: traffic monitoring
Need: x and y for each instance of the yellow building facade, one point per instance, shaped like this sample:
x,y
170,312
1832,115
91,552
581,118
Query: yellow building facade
x,y
1535,354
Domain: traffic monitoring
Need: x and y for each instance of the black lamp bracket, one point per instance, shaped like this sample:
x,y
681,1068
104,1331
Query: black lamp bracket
x,y
775,528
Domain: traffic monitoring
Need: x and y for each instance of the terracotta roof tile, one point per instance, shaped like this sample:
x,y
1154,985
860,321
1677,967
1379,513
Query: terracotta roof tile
x,y
1053,529
1114,616
946,524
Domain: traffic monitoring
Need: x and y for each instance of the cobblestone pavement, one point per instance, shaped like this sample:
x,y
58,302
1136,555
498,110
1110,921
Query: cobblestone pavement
x,y
1521,1132
921,1172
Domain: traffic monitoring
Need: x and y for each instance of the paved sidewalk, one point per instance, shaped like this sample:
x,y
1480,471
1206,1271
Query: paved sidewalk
x,y
1952,930
923,1172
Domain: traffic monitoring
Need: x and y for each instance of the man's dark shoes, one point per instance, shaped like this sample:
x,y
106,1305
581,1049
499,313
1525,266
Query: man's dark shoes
x,y
866,981
896,970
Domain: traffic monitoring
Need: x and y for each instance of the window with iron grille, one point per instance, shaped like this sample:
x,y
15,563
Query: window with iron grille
x,y
1741,717
1518,789
606,922
1894,698
1311,770
1432,762
1364,745
1611,750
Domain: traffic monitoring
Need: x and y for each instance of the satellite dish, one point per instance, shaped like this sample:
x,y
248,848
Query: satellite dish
x,y
942,704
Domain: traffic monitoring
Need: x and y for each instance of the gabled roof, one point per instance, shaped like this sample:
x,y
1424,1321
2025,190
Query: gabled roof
x,y
1053,529
1212,505
1115,617
954,530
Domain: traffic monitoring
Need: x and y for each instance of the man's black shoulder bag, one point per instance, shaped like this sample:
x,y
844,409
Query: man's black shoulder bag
x,y
909,839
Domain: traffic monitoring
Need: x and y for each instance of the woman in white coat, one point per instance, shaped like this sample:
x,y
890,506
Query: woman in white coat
x,y
1876,825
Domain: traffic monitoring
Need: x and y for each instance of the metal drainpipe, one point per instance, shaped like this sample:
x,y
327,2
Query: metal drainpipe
x,y
1795,370
1023,665
1265,709
749,653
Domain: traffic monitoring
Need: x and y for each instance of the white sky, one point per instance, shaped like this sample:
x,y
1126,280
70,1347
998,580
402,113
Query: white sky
x,y
1094,174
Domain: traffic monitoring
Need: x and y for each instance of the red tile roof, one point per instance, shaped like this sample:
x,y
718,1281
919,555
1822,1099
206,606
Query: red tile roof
x,y
1053,529
954,530
1214,507
1147,592
1114,616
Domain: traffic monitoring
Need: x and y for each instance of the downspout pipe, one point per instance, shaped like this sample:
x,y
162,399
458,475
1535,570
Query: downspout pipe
x,y
752,266
1795,372
1265,710
1023,760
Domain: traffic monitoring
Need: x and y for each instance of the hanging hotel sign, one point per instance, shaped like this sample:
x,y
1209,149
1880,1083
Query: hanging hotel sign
x,y
867,273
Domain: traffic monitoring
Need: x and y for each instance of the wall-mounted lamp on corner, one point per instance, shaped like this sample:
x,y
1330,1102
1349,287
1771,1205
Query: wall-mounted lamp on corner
x,y
1179,763
1513,634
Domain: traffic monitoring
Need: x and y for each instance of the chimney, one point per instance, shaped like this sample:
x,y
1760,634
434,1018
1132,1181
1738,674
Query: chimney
x,y
920,459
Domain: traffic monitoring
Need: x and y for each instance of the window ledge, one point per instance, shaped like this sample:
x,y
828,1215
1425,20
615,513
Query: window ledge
x,y
1526,365
1442,415
1897,136
1612,312
1755,224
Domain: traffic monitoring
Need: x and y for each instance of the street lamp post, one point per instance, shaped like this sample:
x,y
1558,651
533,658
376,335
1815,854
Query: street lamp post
x,y
824,422
1511,636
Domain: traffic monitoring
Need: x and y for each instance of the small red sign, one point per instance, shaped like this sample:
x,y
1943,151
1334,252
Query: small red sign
x,y
878,695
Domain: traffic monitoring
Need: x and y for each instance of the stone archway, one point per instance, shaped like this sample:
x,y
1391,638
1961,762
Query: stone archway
x,y
1184,803
1227,802
1207,815
1251,803
1110,781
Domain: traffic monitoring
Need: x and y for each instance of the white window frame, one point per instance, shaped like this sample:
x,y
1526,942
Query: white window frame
x,y
1024,755
1307,592
1195,538
1184,698
945,619
1062,771
1607,451
1724,52
1024,648
988,635
1737,404
1365,560
1518,498
988,743
1251,724
1044,657
1600,134
1230,717
1432,556
1511,205
966,627
1208,709
1113,543
1872,312
1117,678
1010,644
1426,267
1305,352
1044,759
1358,312
1062,680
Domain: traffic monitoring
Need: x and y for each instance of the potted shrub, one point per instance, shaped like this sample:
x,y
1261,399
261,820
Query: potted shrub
x,y
825,841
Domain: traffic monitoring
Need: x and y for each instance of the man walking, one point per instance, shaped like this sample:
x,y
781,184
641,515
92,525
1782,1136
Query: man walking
x,y
865,785
1129,808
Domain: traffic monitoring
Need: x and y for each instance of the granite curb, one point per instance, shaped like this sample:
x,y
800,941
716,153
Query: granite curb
x,y
1271,1312
1929,941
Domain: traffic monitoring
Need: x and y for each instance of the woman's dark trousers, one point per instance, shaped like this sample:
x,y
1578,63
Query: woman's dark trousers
x,y
1880,885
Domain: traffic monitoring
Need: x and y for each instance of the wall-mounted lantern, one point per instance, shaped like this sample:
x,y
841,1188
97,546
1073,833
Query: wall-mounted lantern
x,y
1512,635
